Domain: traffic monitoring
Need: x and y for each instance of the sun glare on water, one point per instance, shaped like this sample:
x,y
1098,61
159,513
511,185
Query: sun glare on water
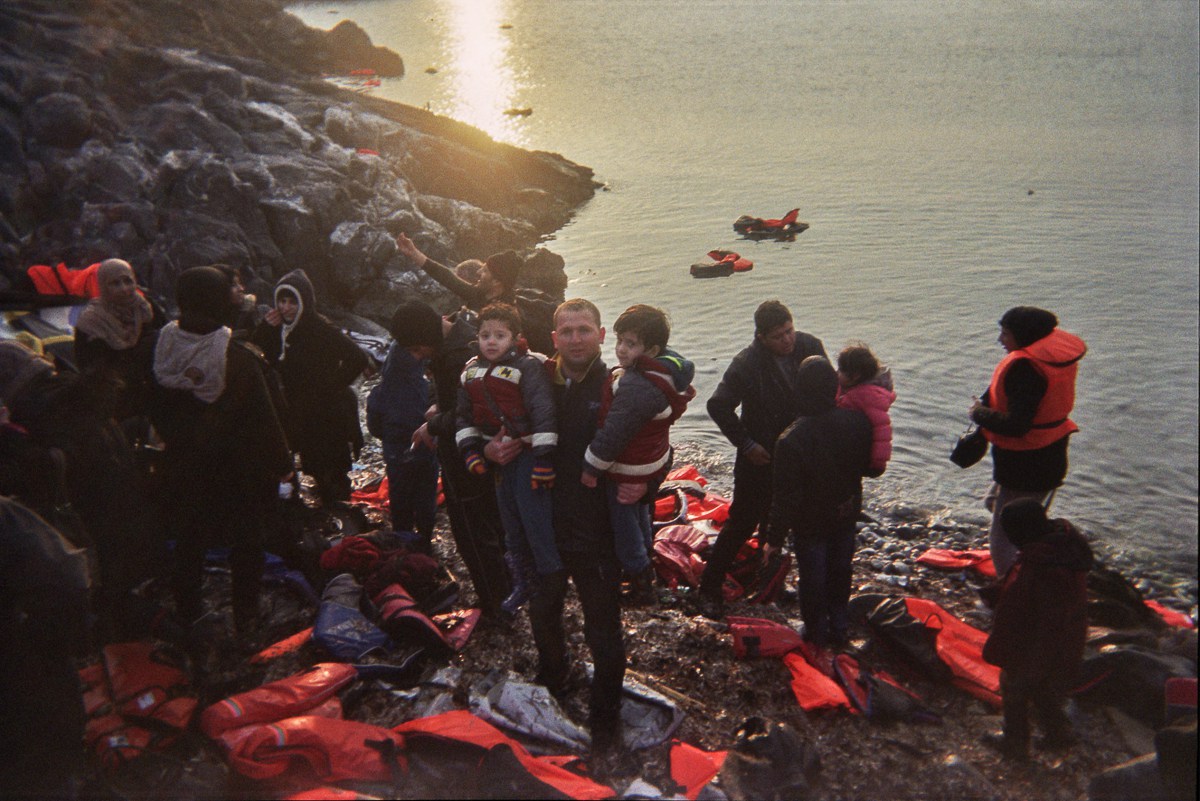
x,y
484,83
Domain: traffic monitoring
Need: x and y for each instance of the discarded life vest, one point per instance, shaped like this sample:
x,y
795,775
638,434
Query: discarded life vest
x,y
404,623
724,262
290,697
136,701
693,768
462,727
340,628
327,749
784,228
978,560
877,695
285,646
812,688
61,280
946,647
678,556
754,637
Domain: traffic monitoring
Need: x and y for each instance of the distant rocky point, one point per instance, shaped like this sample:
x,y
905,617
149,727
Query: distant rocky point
x,y
174,134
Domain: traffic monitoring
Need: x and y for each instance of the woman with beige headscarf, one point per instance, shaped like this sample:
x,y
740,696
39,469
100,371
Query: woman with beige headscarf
x,y
112,334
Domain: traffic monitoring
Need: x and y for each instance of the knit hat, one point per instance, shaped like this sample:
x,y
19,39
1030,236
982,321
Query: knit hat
x,y
1025,521
1028,324
416,323
18,364
505,267
203,297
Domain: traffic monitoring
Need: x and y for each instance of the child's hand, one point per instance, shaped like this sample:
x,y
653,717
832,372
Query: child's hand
x,y
422,438
542,476
588,479
630,493
273,317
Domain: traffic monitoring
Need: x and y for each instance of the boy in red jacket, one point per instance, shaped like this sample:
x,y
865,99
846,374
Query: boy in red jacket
x,y
1039,628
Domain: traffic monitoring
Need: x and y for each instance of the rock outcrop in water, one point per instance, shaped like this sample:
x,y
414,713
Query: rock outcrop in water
x,y
175,135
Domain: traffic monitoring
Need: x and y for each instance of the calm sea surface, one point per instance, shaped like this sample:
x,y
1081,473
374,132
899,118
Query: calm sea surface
x,y
954,159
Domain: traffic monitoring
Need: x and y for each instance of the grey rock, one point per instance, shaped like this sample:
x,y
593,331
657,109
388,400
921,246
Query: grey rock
x,y
59,119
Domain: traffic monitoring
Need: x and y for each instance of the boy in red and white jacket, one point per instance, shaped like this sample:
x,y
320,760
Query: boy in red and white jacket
x,y
644,395
506,388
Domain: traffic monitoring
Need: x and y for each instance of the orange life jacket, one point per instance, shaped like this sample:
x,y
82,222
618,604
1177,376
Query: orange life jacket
x,y
62,280
1056,357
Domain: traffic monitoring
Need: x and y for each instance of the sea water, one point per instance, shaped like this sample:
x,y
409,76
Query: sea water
x,y
953,159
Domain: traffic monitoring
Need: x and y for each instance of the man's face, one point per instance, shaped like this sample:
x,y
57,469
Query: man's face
x,y
578,338
780,340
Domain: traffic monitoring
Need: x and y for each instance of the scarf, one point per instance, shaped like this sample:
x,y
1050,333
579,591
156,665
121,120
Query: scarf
x,y
192,362
117,322
286,328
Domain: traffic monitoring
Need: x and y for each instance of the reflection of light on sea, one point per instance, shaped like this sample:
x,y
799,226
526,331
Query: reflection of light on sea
x,y
484,82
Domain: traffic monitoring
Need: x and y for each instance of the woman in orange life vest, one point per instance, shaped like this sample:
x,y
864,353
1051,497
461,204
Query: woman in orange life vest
x,y
1024,414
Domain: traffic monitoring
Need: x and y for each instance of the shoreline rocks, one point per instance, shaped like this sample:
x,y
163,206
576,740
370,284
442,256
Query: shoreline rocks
x,y
174,138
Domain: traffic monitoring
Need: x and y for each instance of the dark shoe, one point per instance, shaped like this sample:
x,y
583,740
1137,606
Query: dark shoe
x,y
1008,747
642,588
709,607
1059,741
523,578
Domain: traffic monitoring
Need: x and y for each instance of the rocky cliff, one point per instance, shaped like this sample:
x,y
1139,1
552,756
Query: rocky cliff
x,y
174,134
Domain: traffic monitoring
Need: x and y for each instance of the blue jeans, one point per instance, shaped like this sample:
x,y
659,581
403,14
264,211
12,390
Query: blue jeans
x,y
412,491
825,568
526,514
632,535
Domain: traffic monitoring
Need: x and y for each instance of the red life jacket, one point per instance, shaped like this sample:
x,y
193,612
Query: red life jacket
x,y
60,280
1056,358
650,449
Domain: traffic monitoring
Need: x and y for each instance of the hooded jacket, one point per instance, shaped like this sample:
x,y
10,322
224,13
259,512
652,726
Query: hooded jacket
x,y
1040,623
317,363
874,398
637,408
819,461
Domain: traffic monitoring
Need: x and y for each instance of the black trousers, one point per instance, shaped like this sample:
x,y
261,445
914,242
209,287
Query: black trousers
x,y
750,509
597,583
1047,696
475,526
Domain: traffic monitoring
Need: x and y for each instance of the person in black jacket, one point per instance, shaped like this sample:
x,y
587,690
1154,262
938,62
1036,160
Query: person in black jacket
x,y
225,451
819,464
583,532
470,499
317,364
761,380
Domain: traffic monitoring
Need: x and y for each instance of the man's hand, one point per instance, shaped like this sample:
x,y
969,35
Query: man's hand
x,y
409,250
588,479
273,317
628,493
422,438
501,450
758,455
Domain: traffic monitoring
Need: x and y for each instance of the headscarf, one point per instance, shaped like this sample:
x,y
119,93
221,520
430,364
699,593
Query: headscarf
x,y
117,321
1028,324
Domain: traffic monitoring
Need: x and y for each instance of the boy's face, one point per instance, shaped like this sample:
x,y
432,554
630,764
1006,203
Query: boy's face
x,y
495,338
630,348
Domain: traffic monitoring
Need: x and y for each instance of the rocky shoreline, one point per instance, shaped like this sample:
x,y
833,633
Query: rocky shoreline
x,y
173,138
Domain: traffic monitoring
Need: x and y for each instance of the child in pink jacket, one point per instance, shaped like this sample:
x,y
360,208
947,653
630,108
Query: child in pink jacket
x,y
865,385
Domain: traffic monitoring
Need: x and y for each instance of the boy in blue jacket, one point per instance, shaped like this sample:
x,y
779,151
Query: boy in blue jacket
x,y
396,408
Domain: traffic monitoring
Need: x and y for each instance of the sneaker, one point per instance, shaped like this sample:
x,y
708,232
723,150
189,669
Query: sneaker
x,y
1007,746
